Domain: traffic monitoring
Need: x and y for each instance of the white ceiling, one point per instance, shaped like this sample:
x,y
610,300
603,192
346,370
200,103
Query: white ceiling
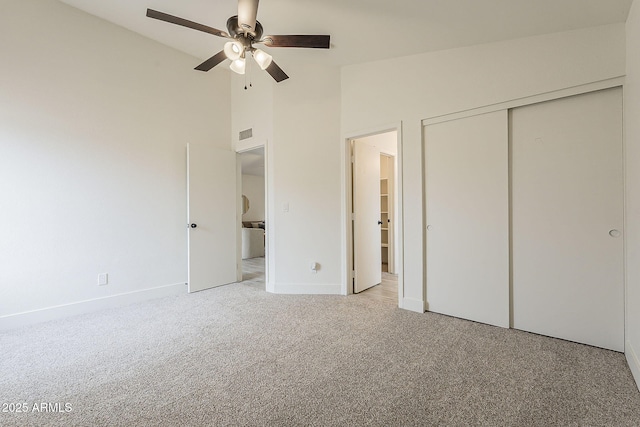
x,y
363,30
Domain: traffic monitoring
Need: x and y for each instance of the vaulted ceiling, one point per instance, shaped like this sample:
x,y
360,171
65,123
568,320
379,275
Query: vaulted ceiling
x,y
363,30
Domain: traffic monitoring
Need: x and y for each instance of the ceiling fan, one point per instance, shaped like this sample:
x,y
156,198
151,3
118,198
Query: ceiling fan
x,y
243,32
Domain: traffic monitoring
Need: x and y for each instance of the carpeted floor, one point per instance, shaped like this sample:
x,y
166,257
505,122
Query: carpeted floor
x,y
236,355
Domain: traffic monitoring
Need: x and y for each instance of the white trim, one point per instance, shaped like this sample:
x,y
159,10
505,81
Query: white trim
x,y
391,201
347,220
306,289
242,147
412,304
87,306
239,206
347,224
633,361
528,100
248,145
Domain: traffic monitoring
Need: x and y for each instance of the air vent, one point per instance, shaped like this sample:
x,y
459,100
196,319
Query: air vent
x,y
246,134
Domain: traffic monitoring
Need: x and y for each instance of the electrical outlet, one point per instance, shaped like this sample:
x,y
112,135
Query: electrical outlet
x,y
103,279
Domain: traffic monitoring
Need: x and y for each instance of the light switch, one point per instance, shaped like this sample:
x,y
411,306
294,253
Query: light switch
x,y
103,279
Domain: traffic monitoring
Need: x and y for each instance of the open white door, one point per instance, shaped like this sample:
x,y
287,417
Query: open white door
x,y
211,213
367,257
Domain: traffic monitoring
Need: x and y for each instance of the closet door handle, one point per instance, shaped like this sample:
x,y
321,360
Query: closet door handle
x,y
193,225
379,222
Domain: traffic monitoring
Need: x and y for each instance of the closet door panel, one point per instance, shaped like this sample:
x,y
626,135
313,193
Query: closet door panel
x,y
567,213
467,212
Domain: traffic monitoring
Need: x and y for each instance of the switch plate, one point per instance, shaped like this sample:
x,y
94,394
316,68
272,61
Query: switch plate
x,y
103,279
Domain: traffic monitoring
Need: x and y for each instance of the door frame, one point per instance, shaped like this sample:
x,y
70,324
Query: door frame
x,y
269,258
347,207
391,233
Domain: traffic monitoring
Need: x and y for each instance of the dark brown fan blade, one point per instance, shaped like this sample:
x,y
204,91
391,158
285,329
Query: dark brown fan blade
x,y
185,23
317,41
212,62
276,72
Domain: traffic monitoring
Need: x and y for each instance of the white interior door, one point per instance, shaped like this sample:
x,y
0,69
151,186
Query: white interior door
x,y
211,212
568,217
366,225
467,212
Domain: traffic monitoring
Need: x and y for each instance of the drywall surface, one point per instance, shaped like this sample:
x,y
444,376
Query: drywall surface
x,y
94,121
299,120
418,87
632,232
251,106
253,188
305,181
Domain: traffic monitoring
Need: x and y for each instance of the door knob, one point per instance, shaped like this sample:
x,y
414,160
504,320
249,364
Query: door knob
x,y
193,225
379,222
614,233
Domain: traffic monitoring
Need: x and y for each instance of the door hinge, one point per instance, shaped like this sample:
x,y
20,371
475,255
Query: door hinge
x,y
353,216
353,159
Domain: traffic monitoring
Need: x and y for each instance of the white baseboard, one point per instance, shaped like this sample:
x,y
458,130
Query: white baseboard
x,y
411,304
633,361
271,287
81,307
306,289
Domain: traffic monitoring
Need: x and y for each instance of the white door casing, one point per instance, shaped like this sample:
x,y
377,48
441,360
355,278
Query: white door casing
x,y
366,208
211,217
390,220
467,217
567,204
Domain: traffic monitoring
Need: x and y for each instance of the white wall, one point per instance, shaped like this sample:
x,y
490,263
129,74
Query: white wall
x,y
299,118
306,177
423,86
632,141
253,188
94,120
252,108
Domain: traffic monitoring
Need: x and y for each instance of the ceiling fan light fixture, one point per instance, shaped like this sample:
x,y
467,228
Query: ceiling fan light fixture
x,y
262,58
238,65
233,50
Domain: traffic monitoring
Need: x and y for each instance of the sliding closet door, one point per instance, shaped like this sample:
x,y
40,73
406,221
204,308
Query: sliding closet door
x,y
467,212
567,209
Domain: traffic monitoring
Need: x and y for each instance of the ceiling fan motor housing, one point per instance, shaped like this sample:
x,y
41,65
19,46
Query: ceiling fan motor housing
x,y
237,32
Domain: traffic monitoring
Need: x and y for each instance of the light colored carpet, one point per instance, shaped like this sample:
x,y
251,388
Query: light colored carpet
x,y
236,355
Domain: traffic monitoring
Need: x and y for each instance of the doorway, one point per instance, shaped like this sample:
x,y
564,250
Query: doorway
x,y
253,233
374,236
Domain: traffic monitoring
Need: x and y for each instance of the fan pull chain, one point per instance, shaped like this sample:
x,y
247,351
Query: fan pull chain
x,y
249,70
249,66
